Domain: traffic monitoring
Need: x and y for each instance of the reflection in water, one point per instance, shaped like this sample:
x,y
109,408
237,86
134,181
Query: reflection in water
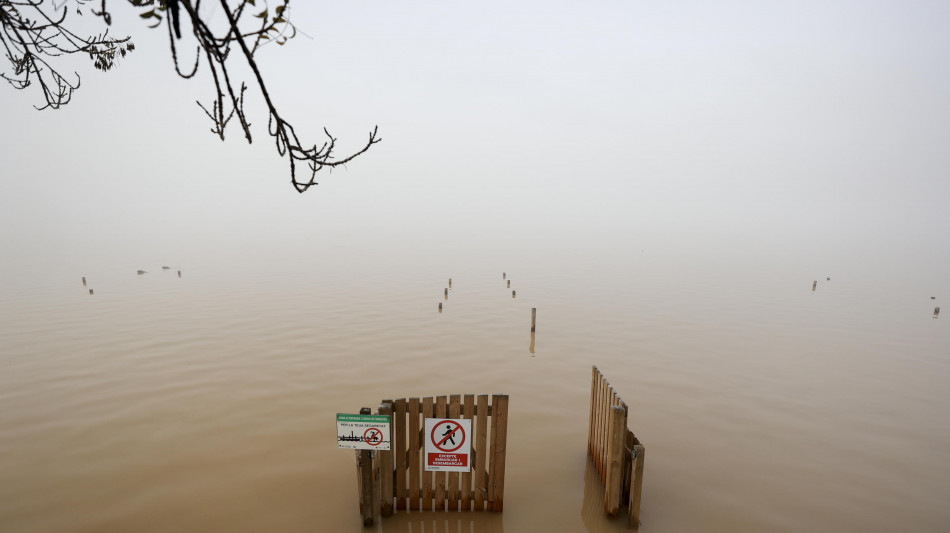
x,y
592,511
443,522
531,347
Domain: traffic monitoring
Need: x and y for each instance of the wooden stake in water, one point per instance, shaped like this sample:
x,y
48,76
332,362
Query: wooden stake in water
x,y
179,273
503,275
446,294
936,311
814,285
512,294
509,283
364,471
90,292
84,282
450,283
440,307
534,317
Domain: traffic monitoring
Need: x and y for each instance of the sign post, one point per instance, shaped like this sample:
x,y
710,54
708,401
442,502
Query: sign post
x,y
448,444
363,432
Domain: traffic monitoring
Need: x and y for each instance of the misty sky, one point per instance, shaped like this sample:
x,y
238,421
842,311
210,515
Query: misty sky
x,y
772,125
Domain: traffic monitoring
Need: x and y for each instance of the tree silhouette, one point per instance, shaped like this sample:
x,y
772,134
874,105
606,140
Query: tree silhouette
x,y
34,33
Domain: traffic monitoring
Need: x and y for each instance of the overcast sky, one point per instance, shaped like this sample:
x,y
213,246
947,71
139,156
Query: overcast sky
x,y
641,124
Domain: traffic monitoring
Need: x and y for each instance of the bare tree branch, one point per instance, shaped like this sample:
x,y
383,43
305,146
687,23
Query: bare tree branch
x,y
32,31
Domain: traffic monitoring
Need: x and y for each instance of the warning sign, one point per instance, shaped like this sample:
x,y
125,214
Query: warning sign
x,y
362,432
448,444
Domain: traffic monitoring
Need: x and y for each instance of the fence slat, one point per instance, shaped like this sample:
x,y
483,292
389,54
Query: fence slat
x,y
468,410
455,411
633,519
500,445
428,411
440,496
399,445
385,459
481,441
590,421
414,465
618,426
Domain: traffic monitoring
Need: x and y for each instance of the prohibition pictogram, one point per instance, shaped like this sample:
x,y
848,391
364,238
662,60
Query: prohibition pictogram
x,y
449,431
373,437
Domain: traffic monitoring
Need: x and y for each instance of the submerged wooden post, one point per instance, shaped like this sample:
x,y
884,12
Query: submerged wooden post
x,y
84,282
636,491
386,466
512,294
534,316
503,275
179,273
364,469
446,293
936,309
450,283
499,438
814,285
440,307
617,425
90,292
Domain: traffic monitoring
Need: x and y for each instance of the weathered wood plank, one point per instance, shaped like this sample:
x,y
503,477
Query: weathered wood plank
x,y
468,411
428,411
399,451
614,480
481,451
499,449
633,520
440,495
385,461
414,443
452,490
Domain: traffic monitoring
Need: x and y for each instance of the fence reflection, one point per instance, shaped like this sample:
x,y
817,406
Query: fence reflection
x,y
442,522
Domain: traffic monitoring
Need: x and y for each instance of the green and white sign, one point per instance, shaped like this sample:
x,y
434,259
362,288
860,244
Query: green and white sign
x,y
362,432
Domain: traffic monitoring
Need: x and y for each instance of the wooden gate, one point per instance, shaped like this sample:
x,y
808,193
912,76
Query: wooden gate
x,y
398,481
617,453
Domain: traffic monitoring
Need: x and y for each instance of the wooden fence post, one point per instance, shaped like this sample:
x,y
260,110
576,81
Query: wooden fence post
x,y
481,452
499,438
614,477
637,489
364,468
386,466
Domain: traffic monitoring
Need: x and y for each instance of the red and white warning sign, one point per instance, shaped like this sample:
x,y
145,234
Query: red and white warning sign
x,y
448,444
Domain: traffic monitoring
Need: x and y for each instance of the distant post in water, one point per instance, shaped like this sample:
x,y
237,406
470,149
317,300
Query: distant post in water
x,y
450,283
503,275
534,317
440,307
179,273
936,309
512,294
84,282
509,283
446,294
935,313
814,285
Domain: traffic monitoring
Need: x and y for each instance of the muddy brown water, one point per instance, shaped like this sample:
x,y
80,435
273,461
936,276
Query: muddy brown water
x,y
207,402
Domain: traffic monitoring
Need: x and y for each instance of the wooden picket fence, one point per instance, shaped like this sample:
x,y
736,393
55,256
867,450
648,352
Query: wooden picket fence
x,y
398,480
616,452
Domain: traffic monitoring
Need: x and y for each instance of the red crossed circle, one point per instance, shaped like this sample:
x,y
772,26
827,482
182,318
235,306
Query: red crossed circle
x,y
438,441
369,434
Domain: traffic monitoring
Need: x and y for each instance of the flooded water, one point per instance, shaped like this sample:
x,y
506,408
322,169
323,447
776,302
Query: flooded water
x,y
207,402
